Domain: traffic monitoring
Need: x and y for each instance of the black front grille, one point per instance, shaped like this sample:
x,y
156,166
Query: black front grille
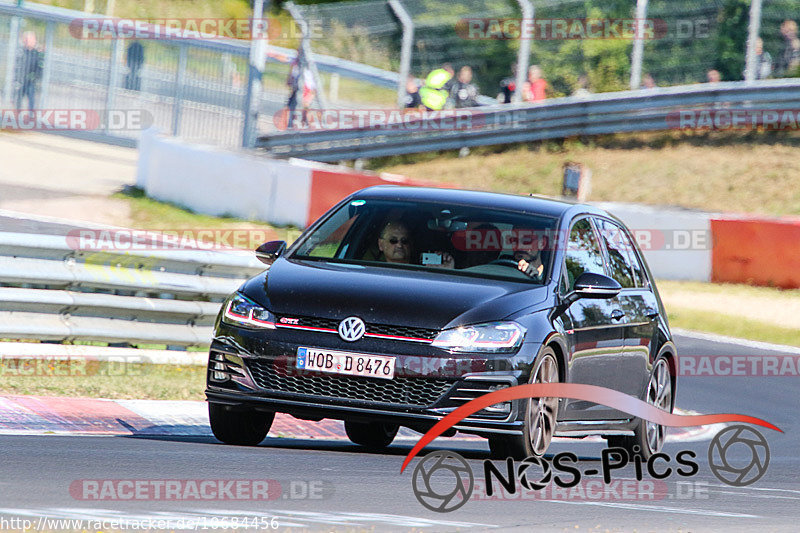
x,y
380,329
402,331
414,392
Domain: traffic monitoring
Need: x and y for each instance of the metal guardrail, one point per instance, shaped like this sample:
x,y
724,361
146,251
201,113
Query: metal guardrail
x,y
629,111
51,291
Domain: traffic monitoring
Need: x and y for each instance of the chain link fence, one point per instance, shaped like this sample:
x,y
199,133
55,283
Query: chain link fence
x,y
683,39
192,88
198,89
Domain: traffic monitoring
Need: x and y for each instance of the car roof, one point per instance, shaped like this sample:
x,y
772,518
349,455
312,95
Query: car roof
x,y
488,200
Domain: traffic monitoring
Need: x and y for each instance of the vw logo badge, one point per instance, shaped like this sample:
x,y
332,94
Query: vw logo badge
x,y
352,328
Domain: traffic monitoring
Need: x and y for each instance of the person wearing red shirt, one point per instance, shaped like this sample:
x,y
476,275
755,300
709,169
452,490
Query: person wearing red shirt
x,y
534,89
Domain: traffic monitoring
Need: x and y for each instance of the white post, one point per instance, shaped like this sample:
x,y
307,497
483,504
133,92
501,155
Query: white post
x,y
405,51
638,45
524,54
11,61
752,36
255,69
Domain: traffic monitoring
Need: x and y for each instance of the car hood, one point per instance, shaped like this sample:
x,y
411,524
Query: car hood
x,y
387,295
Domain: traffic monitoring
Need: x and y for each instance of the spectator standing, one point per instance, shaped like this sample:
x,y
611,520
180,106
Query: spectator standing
x,y
309,92
463,93
293,83
436,89
29,70
536,86
763,61
713,76
582,88
790,57
134,59
412,100
508,86
648,82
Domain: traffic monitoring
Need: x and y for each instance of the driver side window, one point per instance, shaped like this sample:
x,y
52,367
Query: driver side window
x,y
583,254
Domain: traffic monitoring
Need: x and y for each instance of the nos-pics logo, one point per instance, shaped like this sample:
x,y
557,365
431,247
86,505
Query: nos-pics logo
x,y
443,481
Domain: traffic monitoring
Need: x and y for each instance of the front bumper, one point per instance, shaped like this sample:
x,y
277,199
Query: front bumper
x,y
251,369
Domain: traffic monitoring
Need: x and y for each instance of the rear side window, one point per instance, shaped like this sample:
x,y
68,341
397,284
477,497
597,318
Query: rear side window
x,y
583,253
623,263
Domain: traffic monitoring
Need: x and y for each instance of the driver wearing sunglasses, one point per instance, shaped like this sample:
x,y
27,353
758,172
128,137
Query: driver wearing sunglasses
x,y
395,244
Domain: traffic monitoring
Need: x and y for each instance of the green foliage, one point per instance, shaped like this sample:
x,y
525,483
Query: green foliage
x,y
732,39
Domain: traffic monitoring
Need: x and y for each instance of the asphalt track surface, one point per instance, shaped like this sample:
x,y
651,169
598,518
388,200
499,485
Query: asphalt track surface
x,y
336,486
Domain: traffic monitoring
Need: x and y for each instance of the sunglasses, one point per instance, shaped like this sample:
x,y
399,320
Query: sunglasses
x,y
394,240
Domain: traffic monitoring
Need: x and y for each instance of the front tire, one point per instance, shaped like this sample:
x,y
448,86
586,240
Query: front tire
x,y
649,437
240,428
372,435
540,417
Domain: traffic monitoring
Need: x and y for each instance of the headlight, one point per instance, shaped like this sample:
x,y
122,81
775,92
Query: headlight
x,y
242,311
495,337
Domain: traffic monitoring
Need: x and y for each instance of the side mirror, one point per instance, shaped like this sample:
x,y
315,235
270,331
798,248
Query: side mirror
x,y
597,286
268,252
588,285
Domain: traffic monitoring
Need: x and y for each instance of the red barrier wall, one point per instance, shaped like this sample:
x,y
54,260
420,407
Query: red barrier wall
x,y
329,187
756,251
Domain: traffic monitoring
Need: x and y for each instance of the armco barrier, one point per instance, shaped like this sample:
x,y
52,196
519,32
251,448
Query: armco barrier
x,y
757,251
218,182
557,118
50,290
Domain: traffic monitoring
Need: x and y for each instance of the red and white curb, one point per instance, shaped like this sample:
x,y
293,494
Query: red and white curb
x,y
44,415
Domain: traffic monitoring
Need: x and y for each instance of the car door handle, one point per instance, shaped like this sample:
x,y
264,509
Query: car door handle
x,y
651,313
616,314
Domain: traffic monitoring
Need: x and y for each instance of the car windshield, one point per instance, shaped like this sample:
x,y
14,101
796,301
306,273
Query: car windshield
x,y
451,239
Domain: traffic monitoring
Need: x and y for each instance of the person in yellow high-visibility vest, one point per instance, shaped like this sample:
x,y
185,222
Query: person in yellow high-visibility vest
x,y
436,89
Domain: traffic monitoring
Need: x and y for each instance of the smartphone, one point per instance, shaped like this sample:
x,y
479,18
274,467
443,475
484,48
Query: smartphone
x,y
431,259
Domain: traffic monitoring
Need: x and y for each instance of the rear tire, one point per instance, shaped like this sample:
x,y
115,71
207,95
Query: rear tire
x,y
649,437
372,435
240,428
540,417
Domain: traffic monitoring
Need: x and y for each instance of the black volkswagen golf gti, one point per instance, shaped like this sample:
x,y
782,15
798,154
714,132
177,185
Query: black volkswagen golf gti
x,y
401,304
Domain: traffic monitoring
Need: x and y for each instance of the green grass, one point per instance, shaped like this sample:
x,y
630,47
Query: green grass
x,y
149,214
732,326
98,379
752,172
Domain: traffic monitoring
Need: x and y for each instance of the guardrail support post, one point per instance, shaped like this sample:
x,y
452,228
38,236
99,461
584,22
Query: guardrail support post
x,y
524,53
405,51
47,67
180,76
638,45
752,36
11,61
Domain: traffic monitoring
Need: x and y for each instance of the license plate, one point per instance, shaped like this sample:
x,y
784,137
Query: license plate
x,y
349,363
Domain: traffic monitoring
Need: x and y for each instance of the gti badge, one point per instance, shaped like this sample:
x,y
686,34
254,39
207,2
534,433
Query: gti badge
x,y
351,328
